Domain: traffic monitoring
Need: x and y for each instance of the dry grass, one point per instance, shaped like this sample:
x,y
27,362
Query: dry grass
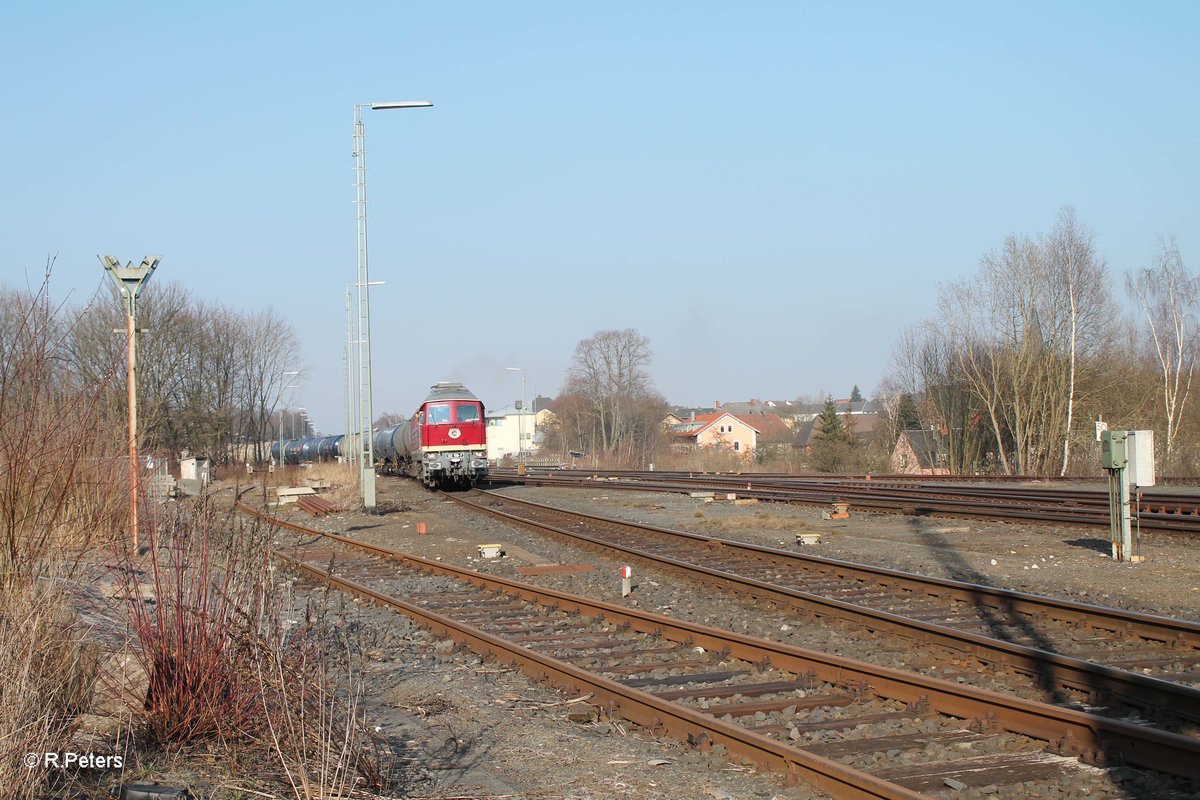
x,y
46,680
762,521
315,724
343,479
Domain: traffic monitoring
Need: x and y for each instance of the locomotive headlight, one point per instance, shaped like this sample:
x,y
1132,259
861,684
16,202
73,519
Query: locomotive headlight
x,y
431,456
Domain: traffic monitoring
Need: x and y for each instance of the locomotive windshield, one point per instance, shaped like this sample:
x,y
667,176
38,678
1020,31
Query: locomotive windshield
x,y
439,414
468,412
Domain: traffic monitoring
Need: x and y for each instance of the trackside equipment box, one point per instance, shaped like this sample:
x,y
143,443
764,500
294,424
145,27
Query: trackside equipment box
x,y
1112,450
1139,451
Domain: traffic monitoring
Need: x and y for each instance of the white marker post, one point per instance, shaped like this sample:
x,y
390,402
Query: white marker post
x,y
626,579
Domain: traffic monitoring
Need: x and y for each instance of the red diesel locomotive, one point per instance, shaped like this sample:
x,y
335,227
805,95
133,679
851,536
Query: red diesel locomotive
x,y
444,445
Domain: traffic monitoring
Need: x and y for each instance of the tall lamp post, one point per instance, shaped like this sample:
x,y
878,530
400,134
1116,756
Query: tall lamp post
x,y
282,458
351,398
520,413
365,447
130,281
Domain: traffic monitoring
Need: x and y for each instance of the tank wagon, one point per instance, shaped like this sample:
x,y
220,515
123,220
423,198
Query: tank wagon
x,y
443,445
299,451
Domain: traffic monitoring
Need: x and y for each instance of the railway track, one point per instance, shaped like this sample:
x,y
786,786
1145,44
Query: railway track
x,y
850,729
1074,653
1162,512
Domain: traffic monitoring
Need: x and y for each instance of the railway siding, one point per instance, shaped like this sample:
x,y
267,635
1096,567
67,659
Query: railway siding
x,y
825,683
997,627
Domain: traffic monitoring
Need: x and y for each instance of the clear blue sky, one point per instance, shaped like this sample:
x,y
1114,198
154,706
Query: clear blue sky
x,y
768,191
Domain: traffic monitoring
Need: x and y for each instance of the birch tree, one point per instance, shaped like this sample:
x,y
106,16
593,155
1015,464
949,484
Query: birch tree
x,y
1081,302
1168,294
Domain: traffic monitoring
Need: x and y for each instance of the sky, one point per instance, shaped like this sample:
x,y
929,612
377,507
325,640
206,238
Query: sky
x,y
770,192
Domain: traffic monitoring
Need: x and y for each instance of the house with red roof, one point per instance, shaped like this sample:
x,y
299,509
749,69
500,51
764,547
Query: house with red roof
x,y
713,430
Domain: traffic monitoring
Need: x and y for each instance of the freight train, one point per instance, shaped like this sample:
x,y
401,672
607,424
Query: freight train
x,y
443,445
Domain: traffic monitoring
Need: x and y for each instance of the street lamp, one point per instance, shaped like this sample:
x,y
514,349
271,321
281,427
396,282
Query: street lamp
x,y
130,281
520,413
365,447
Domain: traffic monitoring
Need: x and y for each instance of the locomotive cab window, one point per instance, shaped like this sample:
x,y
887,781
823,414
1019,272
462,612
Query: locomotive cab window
x,y
467,412
439,414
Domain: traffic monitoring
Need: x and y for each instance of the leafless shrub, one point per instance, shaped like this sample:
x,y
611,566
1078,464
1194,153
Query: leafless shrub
x,y
222,666
56,498
56,452
197,606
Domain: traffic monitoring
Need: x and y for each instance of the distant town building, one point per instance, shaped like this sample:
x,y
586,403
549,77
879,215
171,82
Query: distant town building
x,y
712,430
505,427
918,452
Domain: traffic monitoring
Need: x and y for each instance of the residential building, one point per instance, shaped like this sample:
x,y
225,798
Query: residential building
x,y
713,430
505,427
918,452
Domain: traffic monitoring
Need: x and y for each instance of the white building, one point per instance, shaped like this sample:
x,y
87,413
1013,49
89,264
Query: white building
x,y
505,428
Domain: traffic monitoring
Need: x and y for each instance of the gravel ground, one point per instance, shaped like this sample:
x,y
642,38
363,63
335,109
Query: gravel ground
x,y
476,730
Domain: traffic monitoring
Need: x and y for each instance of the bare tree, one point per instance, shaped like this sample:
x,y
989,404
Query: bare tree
x,y
925,366
1080,305
1021,329
609,369
1168,294
208,376
270,348
574,422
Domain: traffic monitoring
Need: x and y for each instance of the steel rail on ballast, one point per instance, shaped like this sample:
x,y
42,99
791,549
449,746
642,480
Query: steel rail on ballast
x,y
1097,739
876,496
1072,673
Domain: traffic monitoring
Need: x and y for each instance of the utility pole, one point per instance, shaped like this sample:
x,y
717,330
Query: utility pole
x,y
130,281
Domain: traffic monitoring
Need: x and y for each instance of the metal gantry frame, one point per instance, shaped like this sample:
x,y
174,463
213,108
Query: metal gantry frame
x,y
364,449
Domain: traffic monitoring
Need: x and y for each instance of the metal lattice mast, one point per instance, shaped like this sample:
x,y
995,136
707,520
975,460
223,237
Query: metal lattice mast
x,y
351,399
365,449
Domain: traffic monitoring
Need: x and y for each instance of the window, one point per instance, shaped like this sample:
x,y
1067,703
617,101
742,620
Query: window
x,y
439,414
737,446
467,412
